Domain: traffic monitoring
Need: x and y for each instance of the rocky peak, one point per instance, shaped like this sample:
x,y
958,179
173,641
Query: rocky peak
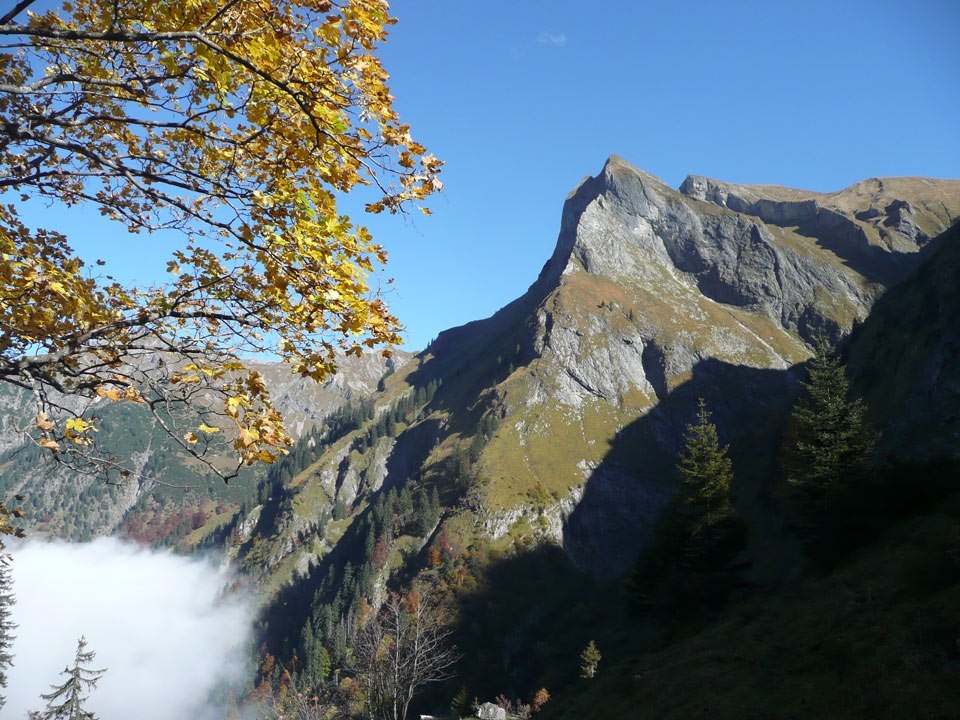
x,y
652,298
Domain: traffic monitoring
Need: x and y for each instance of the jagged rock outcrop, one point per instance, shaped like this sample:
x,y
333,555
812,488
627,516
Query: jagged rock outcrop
x,y
303,402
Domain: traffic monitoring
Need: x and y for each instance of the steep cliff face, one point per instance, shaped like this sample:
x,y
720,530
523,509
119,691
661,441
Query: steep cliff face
x,y
906,357
302,402
652,298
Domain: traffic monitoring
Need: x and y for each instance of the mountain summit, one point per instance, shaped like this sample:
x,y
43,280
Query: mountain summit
x,y
558,418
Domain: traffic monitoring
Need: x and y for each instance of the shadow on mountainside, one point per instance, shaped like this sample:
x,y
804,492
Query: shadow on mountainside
x,y
525,622
626,493
905,357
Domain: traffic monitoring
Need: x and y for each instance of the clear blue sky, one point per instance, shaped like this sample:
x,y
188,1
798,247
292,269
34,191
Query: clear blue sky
x,y
524,98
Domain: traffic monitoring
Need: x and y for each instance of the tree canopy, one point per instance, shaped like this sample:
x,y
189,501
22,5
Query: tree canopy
x,y
237,124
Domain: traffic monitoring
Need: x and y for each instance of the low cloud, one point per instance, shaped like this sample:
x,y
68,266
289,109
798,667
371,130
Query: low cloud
x,y
555,39
155,620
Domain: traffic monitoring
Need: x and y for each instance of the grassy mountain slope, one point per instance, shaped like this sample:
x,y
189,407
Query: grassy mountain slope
x,y
554,423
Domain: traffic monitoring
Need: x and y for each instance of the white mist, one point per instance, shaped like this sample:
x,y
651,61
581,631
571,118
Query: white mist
x,y
155,620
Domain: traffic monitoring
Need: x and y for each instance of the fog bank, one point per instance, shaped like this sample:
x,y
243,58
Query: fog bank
x,y
154,619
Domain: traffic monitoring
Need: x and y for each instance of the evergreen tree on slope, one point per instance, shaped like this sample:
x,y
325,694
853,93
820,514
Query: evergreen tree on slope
x,y
65,701
833,442
705,473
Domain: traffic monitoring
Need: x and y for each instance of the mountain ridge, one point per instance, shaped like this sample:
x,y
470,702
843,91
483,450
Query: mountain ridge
x,y
649,295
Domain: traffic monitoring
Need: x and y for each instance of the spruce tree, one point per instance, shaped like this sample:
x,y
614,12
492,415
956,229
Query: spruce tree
x,y
323,665
589,661
7,626
65,702
833,442
461,705
705,473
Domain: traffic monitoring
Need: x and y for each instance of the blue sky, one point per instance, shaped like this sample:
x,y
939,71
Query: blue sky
x,y
524,98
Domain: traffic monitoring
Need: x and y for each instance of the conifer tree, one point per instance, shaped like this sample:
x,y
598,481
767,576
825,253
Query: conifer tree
x,y
833,441
589,661
461,705
7,626
434,505
705,473
323,665
65,702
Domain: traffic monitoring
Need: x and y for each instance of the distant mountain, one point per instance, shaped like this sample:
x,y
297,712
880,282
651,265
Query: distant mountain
x,y
653,297
181,500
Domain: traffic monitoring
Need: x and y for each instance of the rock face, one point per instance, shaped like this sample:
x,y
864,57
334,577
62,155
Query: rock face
x,y
303,402
652,299
907,358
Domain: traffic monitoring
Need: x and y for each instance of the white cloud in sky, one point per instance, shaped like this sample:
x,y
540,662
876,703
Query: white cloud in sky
x,y
155,620
555,39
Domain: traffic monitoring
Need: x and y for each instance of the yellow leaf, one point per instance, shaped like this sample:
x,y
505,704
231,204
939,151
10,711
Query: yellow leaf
x,y
42,423
112,393
77,425
48,444
133,395
207,429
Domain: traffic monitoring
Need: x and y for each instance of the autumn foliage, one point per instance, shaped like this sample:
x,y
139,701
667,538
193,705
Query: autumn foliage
x,y
237,124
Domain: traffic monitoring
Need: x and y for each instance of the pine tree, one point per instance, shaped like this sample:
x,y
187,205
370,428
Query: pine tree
x,y
406,502
7,626
65,702
461,705
589,661
323,665
705,473
833,442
